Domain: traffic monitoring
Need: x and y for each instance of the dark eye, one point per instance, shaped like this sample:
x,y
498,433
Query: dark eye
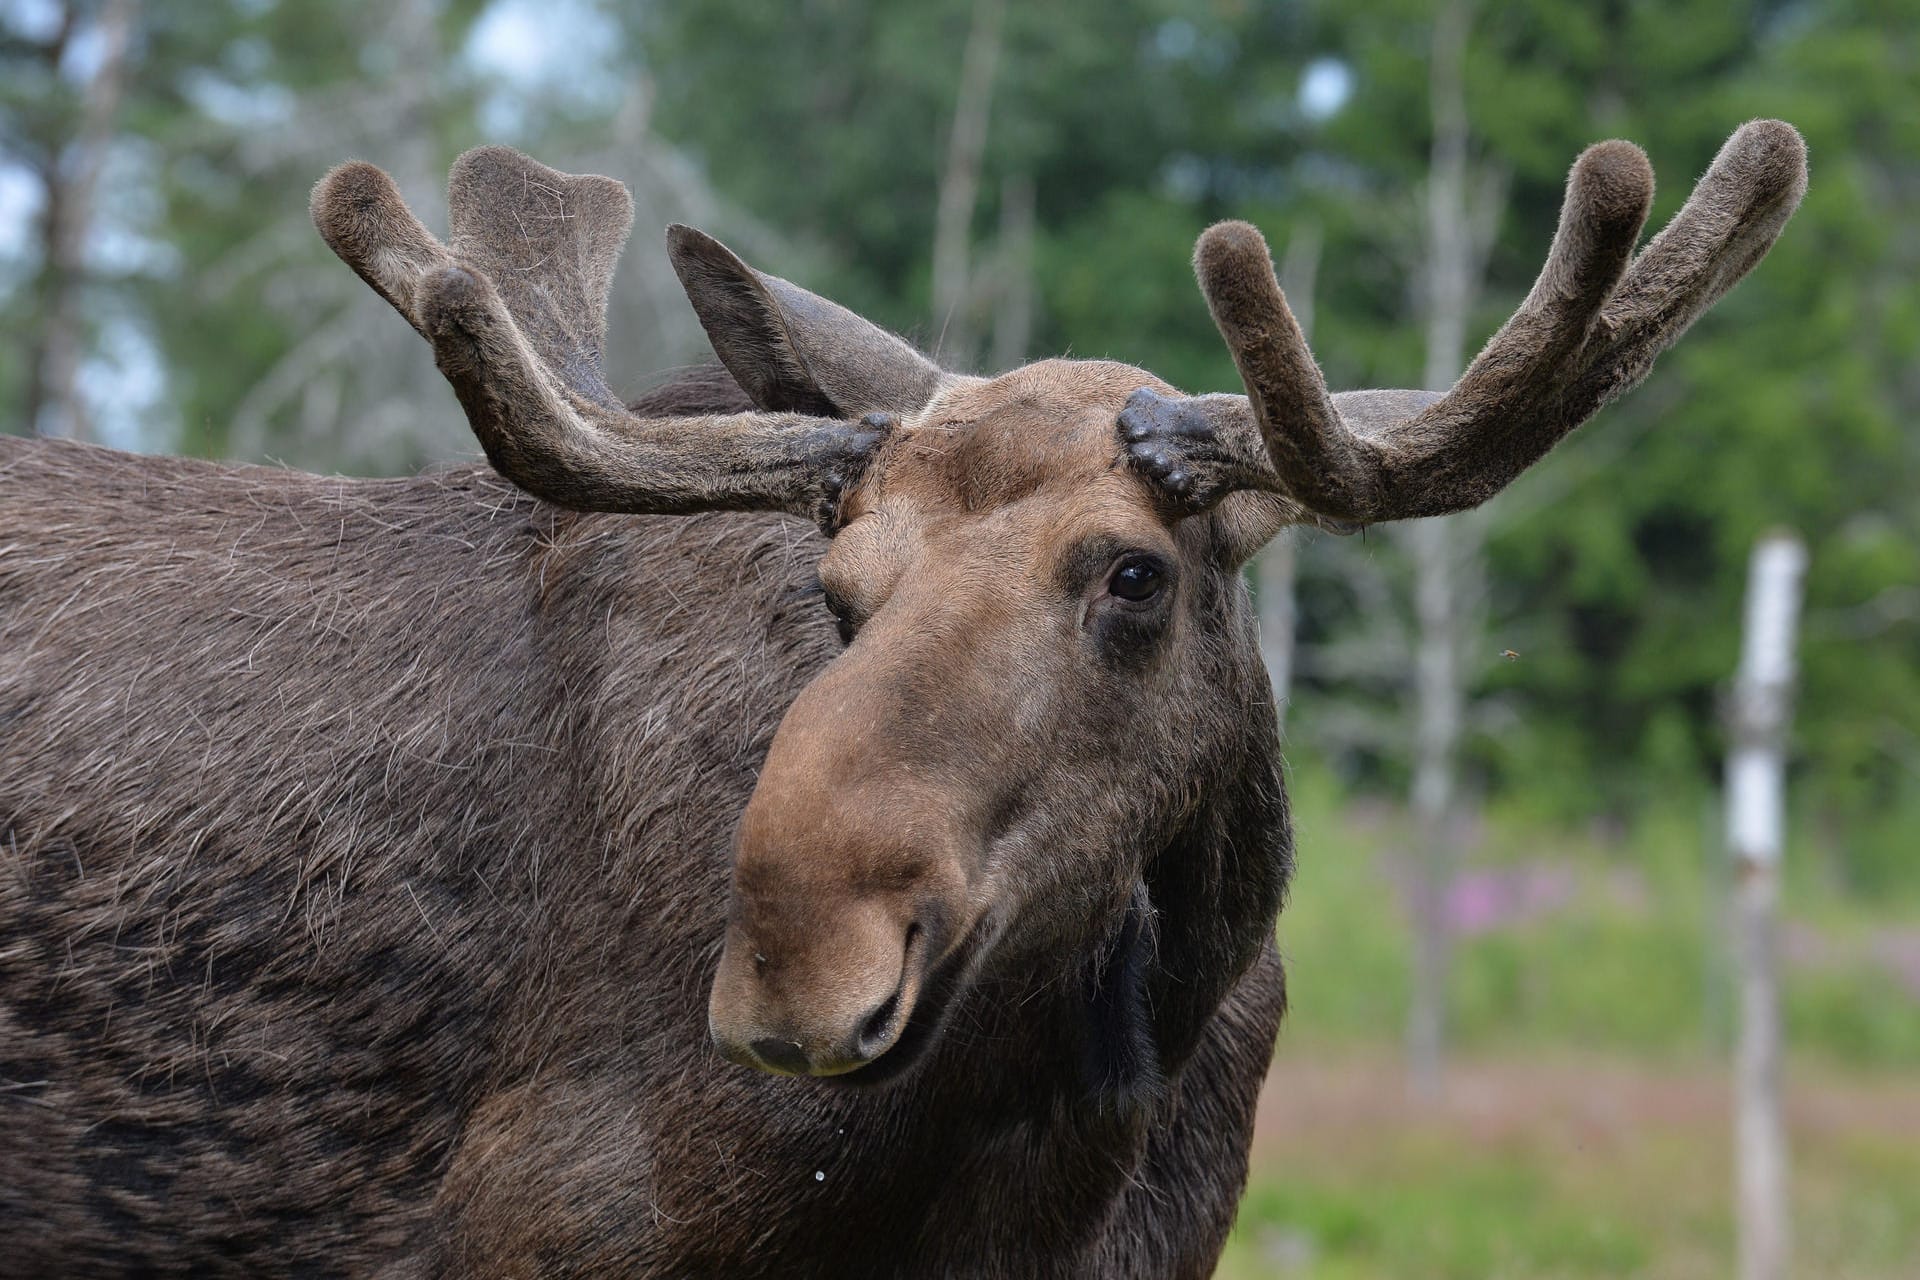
x,y
842,616
1137,579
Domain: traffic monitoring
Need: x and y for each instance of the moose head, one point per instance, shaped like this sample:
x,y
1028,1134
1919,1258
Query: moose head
x,y
1049,669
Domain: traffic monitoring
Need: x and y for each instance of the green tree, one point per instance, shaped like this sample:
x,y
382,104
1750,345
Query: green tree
x,y
841,138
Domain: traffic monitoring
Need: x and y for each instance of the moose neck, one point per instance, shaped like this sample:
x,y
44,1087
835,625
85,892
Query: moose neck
x,y
1218,885
1112,1023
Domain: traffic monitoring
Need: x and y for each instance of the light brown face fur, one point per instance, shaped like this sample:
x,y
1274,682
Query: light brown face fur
x,y
947,771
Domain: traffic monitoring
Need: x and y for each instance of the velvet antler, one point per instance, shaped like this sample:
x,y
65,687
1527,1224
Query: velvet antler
x,y
515,307
1588,332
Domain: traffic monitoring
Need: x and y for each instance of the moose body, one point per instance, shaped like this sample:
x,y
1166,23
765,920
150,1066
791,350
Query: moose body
x,y
368,846
391,872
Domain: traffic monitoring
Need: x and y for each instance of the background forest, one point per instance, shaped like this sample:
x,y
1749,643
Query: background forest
x,y
1510,986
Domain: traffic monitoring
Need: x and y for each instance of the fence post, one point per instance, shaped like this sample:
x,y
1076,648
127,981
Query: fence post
x,y
1756,765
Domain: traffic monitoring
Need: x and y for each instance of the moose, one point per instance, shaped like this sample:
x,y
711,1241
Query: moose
x,y
393,872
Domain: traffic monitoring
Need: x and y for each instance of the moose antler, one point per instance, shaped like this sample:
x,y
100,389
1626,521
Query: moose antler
x,y
515,307
1588,332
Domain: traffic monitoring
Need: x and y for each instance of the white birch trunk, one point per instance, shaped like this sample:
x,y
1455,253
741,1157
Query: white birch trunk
x,y
1756,766
1438,716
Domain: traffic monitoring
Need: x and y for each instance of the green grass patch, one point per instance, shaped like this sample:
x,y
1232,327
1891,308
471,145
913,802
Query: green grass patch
x,y
1562,1165
1470,1220
1632,959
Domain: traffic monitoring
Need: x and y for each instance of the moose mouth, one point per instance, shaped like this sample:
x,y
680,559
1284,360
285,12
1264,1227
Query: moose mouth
x,y
924,1021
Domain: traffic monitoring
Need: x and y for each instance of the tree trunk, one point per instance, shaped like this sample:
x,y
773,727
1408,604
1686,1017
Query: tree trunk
x,y
1762,700
1275,576
1013,307
1438,696
54,405
953,324
1438,713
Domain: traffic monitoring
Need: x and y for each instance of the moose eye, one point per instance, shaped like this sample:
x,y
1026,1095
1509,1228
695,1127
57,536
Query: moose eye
x,y
842,616
1138,579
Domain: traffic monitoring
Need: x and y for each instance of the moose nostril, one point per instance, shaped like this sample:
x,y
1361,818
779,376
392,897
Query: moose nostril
x,y
876,1034
782,1055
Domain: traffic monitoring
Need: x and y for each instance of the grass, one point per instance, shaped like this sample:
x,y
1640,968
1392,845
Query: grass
x,y
1632,961
1585,1130
1561,1167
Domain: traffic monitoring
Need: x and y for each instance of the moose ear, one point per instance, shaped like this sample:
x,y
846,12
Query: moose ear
x,y
794,351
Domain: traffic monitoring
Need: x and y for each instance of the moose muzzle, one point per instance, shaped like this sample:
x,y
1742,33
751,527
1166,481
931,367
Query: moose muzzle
x,y
812,988
859,872
841,906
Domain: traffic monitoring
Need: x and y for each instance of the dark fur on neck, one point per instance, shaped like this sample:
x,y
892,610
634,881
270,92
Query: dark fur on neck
x,y
1122,1060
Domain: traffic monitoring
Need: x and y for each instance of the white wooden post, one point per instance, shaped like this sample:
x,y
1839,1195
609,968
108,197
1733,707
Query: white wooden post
x,y
1761,706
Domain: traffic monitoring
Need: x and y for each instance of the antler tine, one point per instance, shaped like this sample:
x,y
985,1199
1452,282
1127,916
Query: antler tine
x,y
515,309
549,242
515,306
1322,464
1736,212
1582,337
363,219
1609,191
